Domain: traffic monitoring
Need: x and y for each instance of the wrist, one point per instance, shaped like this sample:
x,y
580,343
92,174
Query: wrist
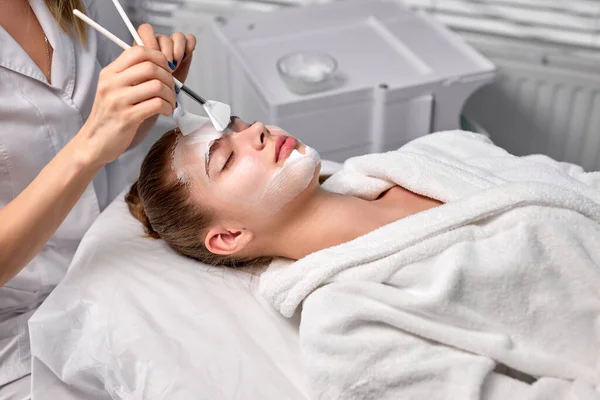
x,y
83,154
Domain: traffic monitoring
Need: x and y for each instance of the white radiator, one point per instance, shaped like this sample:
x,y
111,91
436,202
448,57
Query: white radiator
x,y
548,57
541,104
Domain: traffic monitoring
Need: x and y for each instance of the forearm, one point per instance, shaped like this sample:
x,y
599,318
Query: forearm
x,y
135,87
28,222
142,131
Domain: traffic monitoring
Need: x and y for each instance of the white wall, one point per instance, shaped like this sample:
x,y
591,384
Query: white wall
x,y
111,20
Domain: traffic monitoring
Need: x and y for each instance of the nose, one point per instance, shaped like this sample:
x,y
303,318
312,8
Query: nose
x,y
255,136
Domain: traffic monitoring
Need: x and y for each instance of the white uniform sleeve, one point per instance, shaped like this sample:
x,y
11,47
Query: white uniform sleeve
x,y
352,350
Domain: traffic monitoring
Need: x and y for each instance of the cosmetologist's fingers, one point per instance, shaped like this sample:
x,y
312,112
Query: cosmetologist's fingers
x,y
150,108
148,90
146,32
143,72
138,55
179,46
190,44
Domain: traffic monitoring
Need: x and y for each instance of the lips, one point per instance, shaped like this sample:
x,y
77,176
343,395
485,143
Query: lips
x,y
279,140
284,147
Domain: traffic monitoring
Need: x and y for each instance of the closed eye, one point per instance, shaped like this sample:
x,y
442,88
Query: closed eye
x,y
214,146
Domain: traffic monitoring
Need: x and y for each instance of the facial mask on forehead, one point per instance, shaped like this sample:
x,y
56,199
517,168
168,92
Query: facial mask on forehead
x,y
192,148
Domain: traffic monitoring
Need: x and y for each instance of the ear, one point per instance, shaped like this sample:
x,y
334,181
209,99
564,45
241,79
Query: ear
x,y
227,241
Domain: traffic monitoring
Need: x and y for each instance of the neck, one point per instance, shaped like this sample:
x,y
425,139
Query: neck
x,y
15,16
327,220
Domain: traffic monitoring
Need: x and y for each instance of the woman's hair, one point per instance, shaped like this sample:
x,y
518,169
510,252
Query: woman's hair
x,y
162,203
62,10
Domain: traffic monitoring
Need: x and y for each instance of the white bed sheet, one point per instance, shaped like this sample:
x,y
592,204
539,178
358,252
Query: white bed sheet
x,y
133,320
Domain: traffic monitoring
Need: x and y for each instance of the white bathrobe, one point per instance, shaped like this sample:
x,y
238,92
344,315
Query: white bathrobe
x,y
493,295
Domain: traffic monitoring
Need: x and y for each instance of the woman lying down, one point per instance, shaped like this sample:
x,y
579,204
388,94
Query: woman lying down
x,y
448,269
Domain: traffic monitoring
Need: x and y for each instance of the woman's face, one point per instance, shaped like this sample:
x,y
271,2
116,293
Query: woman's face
x,y
252,169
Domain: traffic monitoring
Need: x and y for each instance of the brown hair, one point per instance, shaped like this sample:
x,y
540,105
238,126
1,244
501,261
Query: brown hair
x,y
162,203
62,10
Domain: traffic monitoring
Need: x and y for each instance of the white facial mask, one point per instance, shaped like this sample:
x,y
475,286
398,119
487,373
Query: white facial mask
x,y
288,181
192,148
259,187
253,186
291,179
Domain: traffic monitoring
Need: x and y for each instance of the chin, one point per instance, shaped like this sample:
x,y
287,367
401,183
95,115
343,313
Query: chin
x,y
293,183
313,185
300,199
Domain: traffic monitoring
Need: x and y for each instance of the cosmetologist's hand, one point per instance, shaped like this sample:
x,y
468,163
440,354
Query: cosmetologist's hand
x,y
136,86
178,48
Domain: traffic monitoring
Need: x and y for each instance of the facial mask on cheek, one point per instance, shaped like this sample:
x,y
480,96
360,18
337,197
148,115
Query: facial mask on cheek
x,y
255,188
283,186
255,185
249,178
291,179
191,149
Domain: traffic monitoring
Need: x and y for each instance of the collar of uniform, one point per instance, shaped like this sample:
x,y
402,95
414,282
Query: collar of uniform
x,y
13,57
63,59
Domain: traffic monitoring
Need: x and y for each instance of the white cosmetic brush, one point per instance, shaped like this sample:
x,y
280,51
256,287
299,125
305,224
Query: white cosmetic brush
x,y
219,113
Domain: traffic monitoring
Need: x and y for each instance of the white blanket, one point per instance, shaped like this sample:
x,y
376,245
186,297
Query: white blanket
x,y
493,295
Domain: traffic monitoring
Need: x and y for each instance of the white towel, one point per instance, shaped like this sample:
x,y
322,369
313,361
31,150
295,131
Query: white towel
x,y
463,300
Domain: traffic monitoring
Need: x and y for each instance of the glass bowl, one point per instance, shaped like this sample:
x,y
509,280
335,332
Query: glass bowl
x,y
307,71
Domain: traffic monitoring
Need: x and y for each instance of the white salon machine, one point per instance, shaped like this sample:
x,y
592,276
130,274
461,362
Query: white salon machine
x,y
347,78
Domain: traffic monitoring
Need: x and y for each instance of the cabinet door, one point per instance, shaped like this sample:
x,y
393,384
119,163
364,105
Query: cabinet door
x,y
406,120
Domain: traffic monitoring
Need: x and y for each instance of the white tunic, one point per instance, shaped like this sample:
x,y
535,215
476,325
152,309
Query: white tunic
x,y
36,121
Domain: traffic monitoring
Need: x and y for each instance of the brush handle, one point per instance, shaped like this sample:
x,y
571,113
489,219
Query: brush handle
x,y
128,23
101,29
193,94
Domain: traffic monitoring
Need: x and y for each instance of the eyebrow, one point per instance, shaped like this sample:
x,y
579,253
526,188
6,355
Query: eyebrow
x,y
214,147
